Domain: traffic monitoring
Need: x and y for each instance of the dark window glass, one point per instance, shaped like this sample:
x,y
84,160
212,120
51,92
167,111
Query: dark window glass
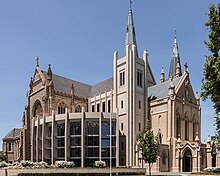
x,y
93,108
75,152
103,106
139,104
122,104
109,105
92,128
139,126
61,153
121,126
75,128
75,141
139,78
60,142
97,107
60,130
122,78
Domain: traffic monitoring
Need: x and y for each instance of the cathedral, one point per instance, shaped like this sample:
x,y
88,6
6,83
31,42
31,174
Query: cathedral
x,y
72,121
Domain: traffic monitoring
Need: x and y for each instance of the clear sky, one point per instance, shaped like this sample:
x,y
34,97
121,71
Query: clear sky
x,y
78,38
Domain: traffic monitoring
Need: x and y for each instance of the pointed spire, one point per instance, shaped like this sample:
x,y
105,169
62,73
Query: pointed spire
x,y
130,38
162,75
175,59
37,64
49,73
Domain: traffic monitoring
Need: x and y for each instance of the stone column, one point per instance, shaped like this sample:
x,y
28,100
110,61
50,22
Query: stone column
x,y
43,138
32,140
53,139
82,138
117,139
100,136
67,136
37,140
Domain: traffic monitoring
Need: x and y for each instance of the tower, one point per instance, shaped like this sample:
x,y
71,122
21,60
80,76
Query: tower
x,y
131,77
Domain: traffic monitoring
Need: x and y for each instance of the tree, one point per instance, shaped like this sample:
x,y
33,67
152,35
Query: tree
x,y
149,146
3,157
211,70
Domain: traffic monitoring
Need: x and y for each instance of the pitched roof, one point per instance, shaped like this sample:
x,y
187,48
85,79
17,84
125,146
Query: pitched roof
x,y
102,87
162,90
64,85
13,133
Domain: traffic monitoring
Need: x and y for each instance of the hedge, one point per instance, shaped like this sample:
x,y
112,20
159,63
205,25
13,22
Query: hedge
x,y
76,174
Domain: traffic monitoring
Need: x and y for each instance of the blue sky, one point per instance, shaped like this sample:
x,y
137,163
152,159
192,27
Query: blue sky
x,y
78,38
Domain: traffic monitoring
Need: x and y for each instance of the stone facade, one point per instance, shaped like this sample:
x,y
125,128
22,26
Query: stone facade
x,y
68,120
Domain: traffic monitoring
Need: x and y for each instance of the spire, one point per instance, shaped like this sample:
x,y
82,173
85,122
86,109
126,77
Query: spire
x,y
37,64
49,73
162,75
130,38
175,59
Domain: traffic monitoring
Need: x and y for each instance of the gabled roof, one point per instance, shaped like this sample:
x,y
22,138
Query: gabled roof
x,y
162,90
13,133
102,87
64,85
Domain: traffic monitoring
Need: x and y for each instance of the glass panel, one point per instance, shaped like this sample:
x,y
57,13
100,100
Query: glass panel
x,y
75,128
61,130
60,142
75,152
75,141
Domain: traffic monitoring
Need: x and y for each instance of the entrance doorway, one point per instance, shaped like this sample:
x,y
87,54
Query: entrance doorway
x,y
187,161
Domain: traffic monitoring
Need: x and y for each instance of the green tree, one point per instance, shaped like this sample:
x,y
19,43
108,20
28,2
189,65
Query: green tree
x,y
149,146
3,157
211,70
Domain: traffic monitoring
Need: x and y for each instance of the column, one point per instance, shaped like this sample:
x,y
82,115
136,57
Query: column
x,y
53,138
67,136
32,139
82,138
43,138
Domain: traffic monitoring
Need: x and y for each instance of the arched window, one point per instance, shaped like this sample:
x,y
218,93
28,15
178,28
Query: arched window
x,y
37,109
78,108
160,136
159,119
62,108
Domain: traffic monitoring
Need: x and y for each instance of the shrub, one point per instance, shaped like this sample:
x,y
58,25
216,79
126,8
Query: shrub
x,y
100,164
64,164
212,169
3,164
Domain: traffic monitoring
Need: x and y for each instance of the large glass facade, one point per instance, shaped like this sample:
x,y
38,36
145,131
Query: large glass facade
x,y
61,141
91,143
105,142
75,143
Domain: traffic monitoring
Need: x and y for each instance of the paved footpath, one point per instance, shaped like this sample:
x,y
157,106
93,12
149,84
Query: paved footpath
x,y
14,172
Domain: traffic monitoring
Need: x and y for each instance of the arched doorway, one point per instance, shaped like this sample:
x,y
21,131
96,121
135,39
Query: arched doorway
x,y
187,161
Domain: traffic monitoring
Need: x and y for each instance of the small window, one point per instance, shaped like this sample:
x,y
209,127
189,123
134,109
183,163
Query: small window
x,y
93,108
122,78
139,104
98,107
103,106
139,78
122,104
121,126
10,146
78,109
109,105
139,126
